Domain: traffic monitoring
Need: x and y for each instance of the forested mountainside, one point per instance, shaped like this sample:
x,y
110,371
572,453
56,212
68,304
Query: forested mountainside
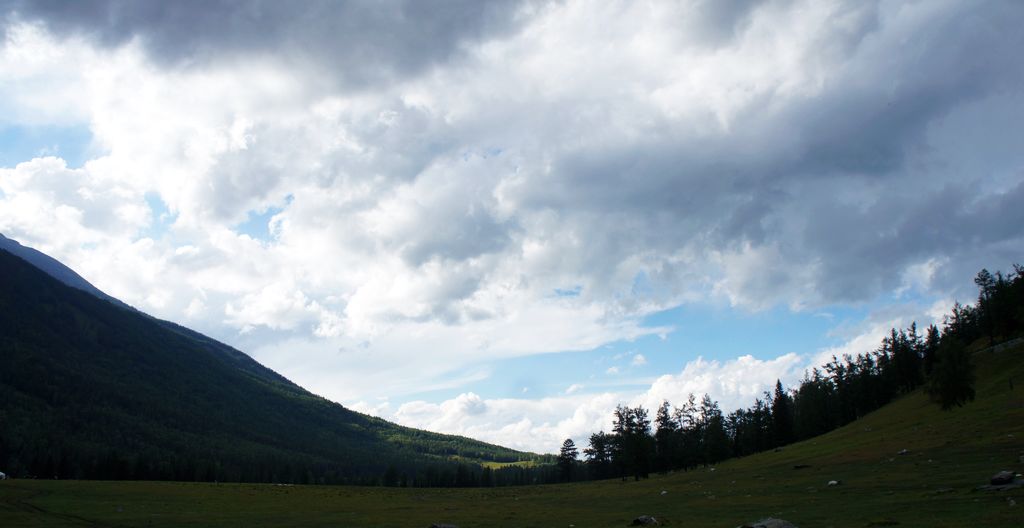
x,y
92,389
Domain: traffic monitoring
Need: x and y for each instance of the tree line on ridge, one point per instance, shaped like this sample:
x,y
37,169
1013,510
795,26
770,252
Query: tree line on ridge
x,y
698,433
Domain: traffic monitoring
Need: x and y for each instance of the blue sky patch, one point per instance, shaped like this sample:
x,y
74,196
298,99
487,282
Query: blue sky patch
x,y
258,224
161,219
717,333
569,292
23,143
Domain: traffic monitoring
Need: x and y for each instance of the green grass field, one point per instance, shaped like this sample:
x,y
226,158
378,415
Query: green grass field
x,y
949,454
499,465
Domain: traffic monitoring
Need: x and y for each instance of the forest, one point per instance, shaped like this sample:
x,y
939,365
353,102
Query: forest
x,y
698,433
90,389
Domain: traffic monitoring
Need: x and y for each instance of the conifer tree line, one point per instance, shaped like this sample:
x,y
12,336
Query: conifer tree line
x,y
698,434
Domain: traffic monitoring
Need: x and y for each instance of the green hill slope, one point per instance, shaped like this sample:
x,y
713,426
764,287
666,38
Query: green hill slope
x,y
948,455
91,389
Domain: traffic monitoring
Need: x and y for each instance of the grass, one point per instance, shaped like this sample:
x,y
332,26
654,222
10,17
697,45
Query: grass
x,y
948,455
520,463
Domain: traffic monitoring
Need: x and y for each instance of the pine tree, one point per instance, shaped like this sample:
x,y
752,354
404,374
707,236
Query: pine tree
x,y
643,443
688,437
782,416
814,411
930,349
714,440
567,458
600,455
952,381
664,438
622,450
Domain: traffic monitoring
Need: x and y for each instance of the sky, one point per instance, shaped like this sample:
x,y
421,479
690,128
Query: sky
x,y
503,218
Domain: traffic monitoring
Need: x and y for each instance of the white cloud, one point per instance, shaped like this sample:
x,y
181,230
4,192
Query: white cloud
x,y
733,383
442,210
540,425
575,387
381,408
638,360
612,370
537,425
432,208
277,306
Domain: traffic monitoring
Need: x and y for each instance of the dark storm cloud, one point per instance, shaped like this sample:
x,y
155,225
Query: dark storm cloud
x,y
464,235
832,179
821,176
716,22
356,42
953,222
868,138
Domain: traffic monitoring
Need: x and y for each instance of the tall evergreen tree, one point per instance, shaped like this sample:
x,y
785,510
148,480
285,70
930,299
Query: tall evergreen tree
x,y
760,416
962,323
623,447
930,349
814,406
782,416
665,435
688,438
600,455
642,443
567,459
952,381
714,440
987,286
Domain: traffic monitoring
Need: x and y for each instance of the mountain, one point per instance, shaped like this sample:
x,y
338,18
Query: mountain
x,y
66,275
93,389
52,267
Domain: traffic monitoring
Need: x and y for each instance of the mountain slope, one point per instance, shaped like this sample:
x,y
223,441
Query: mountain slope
x,y
94,390
69,277
52,267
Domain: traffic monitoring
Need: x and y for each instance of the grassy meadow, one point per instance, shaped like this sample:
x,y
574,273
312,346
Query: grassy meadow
x,y
933,484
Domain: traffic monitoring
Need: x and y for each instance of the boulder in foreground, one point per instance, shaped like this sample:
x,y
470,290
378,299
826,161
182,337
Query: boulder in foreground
x,y
1003,477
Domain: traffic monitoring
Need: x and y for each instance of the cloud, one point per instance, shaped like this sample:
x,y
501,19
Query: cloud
x,y
351,42
487,173
277,306
67,208
380,408
433,192
733,383
540,425
638,360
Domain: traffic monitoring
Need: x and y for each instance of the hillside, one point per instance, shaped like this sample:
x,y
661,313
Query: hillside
x,y
52,267
948,455
92,389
